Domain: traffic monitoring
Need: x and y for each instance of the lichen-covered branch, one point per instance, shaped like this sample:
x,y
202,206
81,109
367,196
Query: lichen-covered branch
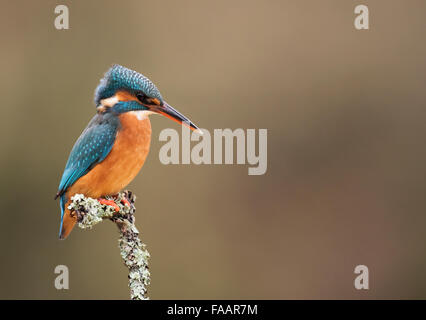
x,y
90,212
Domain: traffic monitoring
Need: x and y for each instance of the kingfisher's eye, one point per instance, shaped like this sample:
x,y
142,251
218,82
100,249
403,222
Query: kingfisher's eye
x,y
141,97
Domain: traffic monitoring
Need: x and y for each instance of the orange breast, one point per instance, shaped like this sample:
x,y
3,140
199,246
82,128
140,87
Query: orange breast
x,y
122,164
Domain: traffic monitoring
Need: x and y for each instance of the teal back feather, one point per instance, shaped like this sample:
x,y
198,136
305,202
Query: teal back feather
x,y
92,147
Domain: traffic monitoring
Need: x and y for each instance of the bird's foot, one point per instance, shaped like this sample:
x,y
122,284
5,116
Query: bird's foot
x,y
126,202
109,203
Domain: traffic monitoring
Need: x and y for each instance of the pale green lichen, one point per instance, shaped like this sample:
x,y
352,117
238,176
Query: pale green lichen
x,y
135,256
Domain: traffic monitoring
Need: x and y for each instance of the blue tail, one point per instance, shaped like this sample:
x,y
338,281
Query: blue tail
x,y
62,202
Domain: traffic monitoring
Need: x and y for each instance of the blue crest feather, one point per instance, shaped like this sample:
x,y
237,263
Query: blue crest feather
x,y
119,77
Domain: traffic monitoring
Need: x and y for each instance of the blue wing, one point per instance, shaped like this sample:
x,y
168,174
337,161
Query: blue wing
x,y
92,147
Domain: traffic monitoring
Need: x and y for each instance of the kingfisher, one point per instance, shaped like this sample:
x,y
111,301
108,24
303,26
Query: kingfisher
x,y
113,148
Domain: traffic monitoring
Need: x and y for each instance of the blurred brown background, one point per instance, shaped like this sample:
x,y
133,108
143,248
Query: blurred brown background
x,y
345,113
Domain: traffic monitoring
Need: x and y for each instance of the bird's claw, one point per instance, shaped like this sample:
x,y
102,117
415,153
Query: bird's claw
x,y
109,203
126,202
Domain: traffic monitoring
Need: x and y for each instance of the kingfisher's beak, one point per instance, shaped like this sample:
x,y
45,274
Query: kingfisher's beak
x,y
173,114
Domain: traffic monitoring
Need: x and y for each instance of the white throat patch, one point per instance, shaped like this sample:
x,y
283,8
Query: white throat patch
x,y
142,114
